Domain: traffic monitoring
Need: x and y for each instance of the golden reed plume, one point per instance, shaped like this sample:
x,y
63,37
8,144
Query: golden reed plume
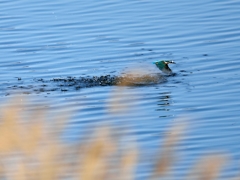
x,y
31,148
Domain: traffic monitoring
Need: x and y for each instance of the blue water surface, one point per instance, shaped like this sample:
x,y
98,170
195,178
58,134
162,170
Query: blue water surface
x,y
53,39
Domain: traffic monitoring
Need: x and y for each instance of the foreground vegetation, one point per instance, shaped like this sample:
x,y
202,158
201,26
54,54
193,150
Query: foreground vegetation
x,y
31,148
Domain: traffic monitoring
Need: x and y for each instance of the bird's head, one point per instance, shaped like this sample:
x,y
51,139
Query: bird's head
x,y
163,65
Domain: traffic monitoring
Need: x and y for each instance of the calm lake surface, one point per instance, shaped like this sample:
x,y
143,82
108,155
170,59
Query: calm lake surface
x,y
44,40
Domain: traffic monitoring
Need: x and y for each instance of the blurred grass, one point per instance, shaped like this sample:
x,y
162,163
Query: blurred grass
x,y
31,148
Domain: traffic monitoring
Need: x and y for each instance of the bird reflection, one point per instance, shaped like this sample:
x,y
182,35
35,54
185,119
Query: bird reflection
x,y
164,101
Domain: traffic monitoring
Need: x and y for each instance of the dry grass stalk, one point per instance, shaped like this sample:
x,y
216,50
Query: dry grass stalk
x,y
122,98
139,76
128,164
208,168
120,101
24,142
35,154
166,160
94,162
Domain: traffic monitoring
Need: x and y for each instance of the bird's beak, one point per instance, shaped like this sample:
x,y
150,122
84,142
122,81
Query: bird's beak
x,y
154,62
170,62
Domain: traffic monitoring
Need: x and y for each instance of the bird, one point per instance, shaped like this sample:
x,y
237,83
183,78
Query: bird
x,y
163,66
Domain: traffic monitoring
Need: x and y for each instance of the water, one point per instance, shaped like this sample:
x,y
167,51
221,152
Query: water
x,y
47,40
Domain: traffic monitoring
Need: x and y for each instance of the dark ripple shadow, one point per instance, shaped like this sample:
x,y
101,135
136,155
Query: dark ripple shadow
x,y
70,83
40,85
